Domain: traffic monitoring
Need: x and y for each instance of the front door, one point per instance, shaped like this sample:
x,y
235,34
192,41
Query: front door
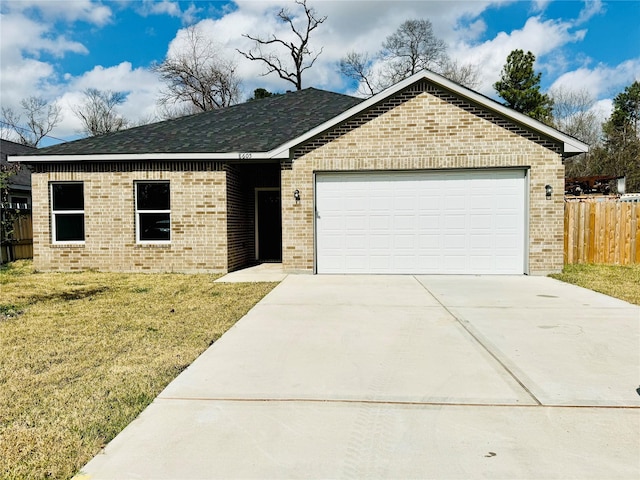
x,y
268,225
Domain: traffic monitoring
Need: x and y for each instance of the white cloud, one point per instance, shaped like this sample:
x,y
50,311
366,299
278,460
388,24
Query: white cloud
x,y
140,85
540,5
591,8
602,80
20,34
171,8
164,7
538,36
22,43
69,11
602,109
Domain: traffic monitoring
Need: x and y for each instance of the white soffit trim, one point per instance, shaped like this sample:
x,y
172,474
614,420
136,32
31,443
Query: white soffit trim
x,y
572,146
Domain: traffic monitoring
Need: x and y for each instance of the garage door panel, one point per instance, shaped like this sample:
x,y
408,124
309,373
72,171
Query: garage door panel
x,y
381,263
429,242
354,242
480,262
421,222
380,204
505,221
402,221
481,242
481,221
455,221
404,242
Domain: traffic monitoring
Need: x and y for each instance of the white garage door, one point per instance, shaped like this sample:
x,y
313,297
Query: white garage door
x,y
454,222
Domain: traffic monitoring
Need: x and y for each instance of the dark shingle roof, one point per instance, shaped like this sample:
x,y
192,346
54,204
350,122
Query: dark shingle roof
x,y
255,126
23,177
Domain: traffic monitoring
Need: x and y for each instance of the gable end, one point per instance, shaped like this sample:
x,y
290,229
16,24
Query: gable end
x,y
411,92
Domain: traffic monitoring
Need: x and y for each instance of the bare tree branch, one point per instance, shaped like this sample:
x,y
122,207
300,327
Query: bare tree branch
x,y
411,48
573,115
98,114
357,66
464,74
41,118
301,55
198,75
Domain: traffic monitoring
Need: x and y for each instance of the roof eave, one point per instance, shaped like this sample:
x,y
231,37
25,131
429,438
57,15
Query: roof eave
x,y
136,157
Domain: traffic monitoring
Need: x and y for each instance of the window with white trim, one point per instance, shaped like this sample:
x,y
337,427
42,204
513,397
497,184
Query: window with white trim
x,y
67,212
153,212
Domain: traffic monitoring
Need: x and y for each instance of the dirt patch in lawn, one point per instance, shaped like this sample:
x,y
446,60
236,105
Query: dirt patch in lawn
x,y
82,354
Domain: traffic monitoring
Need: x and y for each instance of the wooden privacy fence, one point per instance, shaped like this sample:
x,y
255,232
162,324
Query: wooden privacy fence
x,y
602,232
21,243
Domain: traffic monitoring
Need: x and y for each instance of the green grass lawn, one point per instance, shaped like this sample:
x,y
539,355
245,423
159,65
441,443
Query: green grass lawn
x,y
618,281
82,354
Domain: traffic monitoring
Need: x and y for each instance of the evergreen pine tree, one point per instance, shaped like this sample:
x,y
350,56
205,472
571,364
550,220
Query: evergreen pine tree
x,y
519,86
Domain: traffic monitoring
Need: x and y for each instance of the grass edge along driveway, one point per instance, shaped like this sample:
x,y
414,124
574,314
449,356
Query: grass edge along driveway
x,y
620,281
82,354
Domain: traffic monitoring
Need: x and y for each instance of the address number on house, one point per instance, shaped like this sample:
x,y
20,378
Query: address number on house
x,y
244,156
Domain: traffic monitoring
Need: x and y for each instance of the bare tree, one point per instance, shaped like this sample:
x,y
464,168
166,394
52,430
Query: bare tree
x,y
573,114
411,48
40,118
301,55
98,114
198,75
359,66
464,74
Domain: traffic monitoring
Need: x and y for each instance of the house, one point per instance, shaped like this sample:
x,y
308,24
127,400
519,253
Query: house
x,y
18,194
425,177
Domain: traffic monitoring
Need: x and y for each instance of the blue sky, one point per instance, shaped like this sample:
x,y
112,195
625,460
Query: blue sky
x,y
58,48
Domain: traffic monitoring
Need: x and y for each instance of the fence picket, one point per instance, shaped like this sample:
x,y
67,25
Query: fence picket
x,y
602,232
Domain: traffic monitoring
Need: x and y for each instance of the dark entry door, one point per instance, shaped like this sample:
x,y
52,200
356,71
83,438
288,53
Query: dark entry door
x,y
269,226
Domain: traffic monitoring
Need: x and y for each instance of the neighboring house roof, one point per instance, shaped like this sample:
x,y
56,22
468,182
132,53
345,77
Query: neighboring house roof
x,y
254,126
267,129
22,179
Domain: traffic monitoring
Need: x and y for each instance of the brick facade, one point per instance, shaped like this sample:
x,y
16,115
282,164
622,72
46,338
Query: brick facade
x,y
198,219
423,128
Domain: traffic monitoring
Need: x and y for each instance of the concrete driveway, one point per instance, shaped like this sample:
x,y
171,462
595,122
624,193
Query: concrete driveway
x,y
402,377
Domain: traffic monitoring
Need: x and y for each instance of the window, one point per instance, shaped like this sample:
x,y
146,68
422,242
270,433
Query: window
x,y
67,208
20,203
153,212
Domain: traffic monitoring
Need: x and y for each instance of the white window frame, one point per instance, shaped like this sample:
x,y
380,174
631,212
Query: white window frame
x,y
138,212
55,213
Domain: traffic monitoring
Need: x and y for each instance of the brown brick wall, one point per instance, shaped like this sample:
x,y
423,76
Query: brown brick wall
x,y
198,218
422,128
240,219
242,181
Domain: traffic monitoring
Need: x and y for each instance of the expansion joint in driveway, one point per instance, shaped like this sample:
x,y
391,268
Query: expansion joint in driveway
x,y
476,337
